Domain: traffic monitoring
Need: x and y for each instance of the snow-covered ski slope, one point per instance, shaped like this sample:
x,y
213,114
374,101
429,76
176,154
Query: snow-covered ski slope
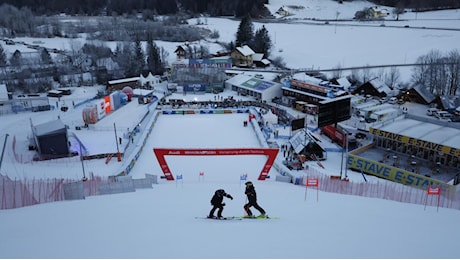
x,y
160,222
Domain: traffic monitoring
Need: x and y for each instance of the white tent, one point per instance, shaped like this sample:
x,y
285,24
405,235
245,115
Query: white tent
x,y
269,118
150,80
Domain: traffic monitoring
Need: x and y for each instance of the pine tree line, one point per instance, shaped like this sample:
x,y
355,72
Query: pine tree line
x,y
420,5
259,41
236,8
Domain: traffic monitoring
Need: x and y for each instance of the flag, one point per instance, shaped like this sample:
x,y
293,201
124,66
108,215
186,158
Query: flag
x,y
179,177
243,177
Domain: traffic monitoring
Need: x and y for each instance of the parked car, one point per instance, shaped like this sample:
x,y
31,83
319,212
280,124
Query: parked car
x,y
393,100
443,115
454,119
431,111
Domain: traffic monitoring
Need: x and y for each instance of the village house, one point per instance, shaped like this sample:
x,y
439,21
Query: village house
x,y
243,56
189,51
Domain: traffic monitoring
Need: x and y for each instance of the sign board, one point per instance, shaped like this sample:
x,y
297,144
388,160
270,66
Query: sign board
x,y
333,111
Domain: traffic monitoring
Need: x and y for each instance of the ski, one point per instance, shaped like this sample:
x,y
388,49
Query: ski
x,y
257,217
225,218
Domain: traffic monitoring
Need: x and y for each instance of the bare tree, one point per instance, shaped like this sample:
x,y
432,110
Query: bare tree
x,y
392,77
427,74
337,73
453,72
366,74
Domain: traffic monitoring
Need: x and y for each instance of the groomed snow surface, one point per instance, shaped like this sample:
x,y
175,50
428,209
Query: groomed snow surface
x,y
160,222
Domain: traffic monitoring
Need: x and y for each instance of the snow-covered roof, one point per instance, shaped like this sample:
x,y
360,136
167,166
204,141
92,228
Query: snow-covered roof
x,y
116,81
424,93
49,127
245,50
150,78
438,134
257,56
343,82
385,111
450,102
380,86
239,79
265,61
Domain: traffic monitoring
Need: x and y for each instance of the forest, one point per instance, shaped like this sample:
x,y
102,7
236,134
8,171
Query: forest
x,y
237,8
440,73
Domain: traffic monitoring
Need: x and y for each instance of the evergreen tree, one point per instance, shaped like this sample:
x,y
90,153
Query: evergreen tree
x,y
16,59
262,42
139,56
153,57
3,61
245,31
124,56
45,56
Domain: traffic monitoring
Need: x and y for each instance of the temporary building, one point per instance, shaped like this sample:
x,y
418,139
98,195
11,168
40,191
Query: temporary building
x,y
270,118
51,139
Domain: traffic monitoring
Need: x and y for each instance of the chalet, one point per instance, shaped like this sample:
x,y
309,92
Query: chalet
x,y
189,51
376,13
342,82
243,56
447,103
419,94
259,61
282,11
374,87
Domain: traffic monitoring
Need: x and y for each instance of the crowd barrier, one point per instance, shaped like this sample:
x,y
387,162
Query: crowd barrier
x,y
383,190
24,193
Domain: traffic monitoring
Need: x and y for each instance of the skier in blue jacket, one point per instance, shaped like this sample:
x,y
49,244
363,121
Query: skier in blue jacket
x,y
217,203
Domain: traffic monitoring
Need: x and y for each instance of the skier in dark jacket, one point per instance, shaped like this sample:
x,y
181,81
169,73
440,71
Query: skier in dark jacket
x,y
217,203
252,198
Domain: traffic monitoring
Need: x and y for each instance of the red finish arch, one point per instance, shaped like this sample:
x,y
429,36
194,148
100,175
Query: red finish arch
x,y
160,153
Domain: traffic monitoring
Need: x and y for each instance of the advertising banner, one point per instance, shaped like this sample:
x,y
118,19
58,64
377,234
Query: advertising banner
x,y
415,142
160,154
392,173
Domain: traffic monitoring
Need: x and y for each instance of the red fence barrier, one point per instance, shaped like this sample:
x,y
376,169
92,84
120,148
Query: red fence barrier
x,y
383,190
22,193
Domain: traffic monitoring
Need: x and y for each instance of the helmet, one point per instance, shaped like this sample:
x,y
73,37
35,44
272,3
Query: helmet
x,y
248,183
220,192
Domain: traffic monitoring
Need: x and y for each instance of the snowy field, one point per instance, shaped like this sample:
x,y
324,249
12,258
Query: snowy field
x,y
304,41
